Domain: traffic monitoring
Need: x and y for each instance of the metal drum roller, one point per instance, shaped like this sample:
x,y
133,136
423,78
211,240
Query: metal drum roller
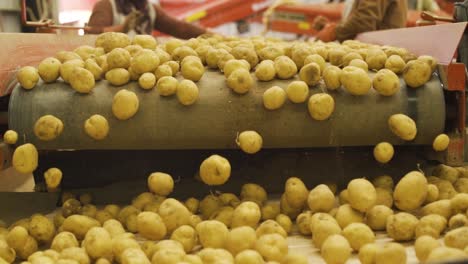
x,y
162,123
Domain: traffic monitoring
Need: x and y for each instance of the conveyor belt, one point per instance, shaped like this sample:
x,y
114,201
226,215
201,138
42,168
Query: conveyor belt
x,y
214,120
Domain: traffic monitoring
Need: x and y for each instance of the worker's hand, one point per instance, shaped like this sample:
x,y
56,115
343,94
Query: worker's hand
x,y
328,33
132,20
319,22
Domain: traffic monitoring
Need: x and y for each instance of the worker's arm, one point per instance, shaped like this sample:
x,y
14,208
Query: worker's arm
x,y
101,19
177,28
364,17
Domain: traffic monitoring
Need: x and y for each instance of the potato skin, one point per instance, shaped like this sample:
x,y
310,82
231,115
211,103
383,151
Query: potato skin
x,y
411,191
79,225
403,126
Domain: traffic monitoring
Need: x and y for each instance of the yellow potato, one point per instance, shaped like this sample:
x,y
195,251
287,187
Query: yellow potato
x,y
118,58
215,256
321,199
145,61
192,70
441,207
187,236
174,66
75,255
240,81
233,64
335,249
25,158
147,80
411,191
167,85
64,56
125,104
247,54
41,228
215,170
310,73
179,53
249,141
265,70
270,52
212,234
28,77
10,137
317,59
98,243
376,217
376,59
441,142
173,214
416,73
321,106
254,193
66,69
446,254
248,256
118,76
93,67
384,197
209,205
297,91
48,127
192,204
7,254
285,222
383,152
322,230
401,226
402,126
359,63
432,193
285,67
79,225
459,203
187,92
97,127
160,183
49,69
362,194
133,49
86,51
430,60
271,227
274,98
296,192
457,221
386,82
272,247
246,214
395,63
346,215
367,253
151,226
145,41
224,59
355,80
240,238
331,77
134,255
358,234
391,253
423,247
335,56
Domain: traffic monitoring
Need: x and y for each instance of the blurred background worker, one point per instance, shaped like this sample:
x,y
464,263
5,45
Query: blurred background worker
x,y
364,15
138,17
423,5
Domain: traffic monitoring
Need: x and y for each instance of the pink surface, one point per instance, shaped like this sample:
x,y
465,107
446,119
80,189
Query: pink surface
x,y
439,41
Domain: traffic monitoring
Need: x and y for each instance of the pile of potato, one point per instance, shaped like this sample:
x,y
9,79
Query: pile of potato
x,y
250,228
246,228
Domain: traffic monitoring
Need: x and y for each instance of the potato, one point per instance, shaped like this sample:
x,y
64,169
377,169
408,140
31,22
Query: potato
x,y
402,126
411,191
173,214
335,56
445,255
70,207
215,170
213,56
384,197
441,207
168,256
144,61
430,60
64,56
299,53
321,106
224,59
192,205
315,218
297,91
285,222
167,86
10,137
249,141
41,228
355,80
240,238
395,63
310,74
187,92
347,215
459,203
248,256
187,236
247,213
209,205
271,227
362,194
457,238
174,65
192,259
285,67
125,104
102,261
7,253
147,81
97,127
416,73
85,52
322,230
274,98
335,249
93,67
386,82
432,193
233,64
28,77
359,63
456,221
240,81
89,210
383,152
331,77
296,192
303,223
102,63
113,227
254,193
383,181
215,255
66,69
229,199
270,52
461,185
192,70
446,173
151,226
265,70
224,215
272,247
316,59
431,225
376,59
118,76
247,54
25,158
134,255
48,127
391,253
64,240
423,247
98,243
49,69
321,199
160,183
376,217
102,216
401,226
367,253
122,243
118,58
79,225
212,234
358,234
350,57
133,49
